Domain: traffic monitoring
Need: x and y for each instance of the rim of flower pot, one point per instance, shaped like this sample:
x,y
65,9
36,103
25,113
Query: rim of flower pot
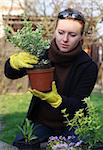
x,y
40,70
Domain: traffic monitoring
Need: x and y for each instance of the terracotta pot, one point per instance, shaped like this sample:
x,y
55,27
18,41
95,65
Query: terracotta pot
x,y
41,79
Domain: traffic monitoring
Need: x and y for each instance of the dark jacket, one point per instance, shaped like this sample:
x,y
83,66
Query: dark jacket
x,y
78,85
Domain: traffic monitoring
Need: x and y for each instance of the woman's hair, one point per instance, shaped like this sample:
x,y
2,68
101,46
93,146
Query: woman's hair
x,y
72,14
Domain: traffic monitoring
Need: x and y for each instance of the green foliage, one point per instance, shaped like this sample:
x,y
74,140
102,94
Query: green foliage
x,y
88,126
27,131
29,40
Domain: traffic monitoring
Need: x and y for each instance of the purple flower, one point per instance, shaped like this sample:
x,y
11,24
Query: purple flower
x,y
63,143
60,146
69,137
71,144
62,138
53,138
78,143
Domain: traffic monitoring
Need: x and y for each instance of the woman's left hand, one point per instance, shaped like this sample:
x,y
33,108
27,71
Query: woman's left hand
x,y
52,97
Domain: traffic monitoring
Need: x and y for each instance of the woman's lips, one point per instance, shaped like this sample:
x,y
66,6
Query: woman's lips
x,y
64,45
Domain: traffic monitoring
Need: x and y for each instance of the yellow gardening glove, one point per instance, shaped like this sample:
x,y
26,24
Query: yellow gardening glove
x,y
23,60
52,97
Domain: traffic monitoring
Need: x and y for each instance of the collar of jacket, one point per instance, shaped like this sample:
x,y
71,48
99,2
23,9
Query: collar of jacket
x,y
58,57
83,57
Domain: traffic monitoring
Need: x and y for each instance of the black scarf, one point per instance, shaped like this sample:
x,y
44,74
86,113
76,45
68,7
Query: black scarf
x,y
62,61
56,56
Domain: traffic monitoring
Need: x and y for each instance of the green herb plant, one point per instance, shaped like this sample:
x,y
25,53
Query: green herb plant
x,y
87,126
30,40
27,131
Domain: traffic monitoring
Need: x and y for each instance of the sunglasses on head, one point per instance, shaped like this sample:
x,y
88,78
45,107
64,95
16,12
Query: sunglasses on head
x,y
72,14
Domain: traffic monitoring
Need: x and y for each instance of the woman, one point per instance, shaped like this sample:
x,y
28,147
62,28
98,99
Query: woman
x,y
75,77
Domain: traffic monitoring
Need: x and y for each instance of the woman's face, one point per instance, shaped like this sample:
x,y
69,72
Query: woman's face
x,y
67,34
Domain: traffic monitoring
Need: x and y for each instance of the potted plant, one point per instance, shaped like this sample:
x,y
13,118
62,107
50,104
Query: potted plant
x,y
33,42
87,126
29,141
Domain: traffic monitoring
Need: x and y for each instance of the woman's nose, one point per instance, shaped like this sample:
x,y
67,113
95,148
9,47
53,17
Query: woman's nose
x,y
65,38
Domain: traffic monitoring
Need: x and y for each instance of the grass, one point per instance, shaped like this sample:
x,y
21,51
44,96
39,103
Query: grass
x,y
97,100
13,109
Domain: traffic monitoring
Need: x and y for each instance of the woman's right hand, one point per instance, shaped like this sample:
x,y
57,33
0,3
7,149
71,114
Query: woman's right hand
x,y
23,60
